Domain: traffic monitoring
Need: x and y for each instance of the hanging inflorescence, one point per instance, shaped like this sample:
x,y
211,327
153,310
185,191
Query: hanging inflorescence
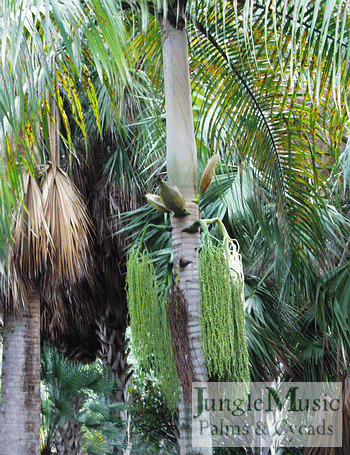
x,y
222,310
149,325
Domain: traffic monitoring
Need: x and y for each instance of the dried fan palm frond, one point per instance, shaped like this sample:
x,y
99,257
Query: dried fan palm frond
x,y
16,289
108,200
104,204
31,234
69,225
54,318
67,310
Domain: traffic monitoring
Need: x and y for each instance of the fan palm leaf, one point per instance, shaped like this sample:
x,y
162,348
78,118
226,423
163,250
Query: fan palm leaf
x,y
31,234
69,225
30,239
76,407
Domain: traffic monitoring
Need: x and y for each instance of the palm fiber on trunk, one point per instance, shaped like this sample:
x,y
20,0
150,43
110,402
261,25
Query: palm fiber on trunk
x,y
176,307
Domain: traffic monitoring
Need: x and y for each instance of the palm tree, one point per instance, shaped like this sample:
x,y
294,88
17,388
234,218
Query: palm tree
x,y
52,231
182,172
86,287
274,116
259,102
53,236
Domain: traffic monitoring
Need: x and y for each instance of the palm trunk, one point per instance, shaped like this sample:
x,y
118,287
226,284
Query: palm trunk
x,y
182,172
114,353
186,268
20,394
70,438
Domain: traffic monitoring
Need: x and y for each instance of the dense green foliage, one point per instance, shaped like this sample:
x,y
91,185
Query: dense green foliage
x,y
153,423
76,406
270,95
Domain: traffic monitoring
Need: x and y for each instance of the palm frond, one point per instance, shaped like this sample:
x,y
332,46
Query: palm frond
x,y
38,55
269,331
68,257
310,42
31,236
68,313
31,233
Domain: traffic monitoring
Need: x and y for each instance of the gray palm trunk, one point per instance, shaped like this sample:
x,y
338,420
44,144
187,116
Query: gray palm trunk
x,y
182,172
186,268
20,394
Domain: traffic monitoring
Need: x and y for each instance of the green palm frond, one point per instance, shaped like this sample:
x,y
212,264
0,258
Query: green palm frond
x,y
6,202
261,116
311,41
40,52
137,132
331,307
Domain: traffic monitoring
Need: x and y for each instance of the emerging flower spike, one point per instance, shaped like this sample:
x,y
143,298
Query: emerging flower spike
x,y
172,198
207,177
156,202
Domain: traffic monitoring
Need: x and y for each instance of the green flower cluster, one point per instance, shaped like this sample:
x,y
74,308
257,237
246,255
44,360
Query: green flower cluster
x,y
222,315
149,325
